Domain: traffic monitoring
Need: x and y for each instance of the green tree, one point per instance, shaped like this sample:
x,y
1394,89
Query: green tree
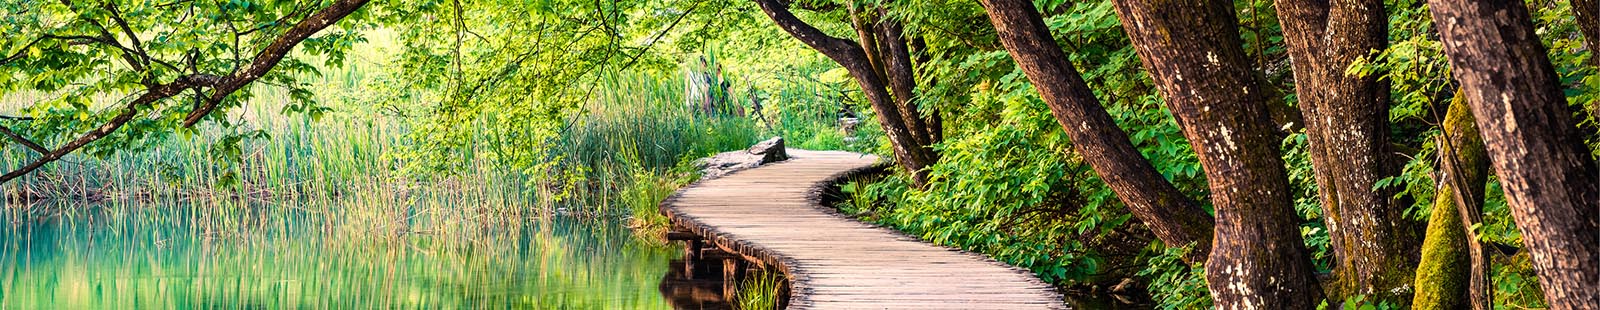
x,y
1175,219
149,54
880,63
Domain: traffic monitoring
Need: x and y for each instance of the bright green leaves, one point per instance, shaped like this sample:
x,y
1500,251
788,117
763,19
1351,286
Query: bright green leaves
x,y
1178,286
1009,183
517,71
82,63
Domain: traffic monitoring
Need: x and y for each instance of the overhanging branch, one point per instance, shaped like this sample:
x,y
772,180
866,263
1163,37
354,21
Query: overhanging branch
x,y
22,140
272,54
221,87
128,112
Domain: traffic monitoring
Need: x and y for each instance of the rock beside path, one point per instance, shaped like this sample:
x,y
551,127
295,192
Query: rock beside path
x,y
764,152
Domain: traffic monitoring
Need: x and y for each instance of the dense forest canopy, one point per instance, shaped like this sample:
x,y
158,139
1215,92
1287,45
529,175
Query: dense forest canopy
x,y
1270,154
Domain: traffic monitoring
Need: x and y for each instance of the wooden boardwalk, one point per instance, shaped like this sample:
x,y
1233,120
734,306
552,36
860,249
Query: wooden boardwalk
x,y
771,217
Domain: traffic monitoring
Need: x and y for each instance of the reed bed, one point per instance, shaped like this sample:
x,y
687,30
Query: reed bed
x,y
634,147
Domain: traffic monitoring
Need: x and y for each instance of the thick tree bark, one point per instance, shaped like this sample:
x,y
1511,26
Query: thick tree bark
x,y
1454,269
902,80
1172,216
1550,181
935,121
1587,13
911,155
864,23
1374,245
1193,52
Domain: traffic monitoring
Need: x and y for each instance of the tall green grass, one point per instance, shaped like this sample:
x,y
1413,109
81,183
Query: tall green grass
x,y
283,154
634,146
760,290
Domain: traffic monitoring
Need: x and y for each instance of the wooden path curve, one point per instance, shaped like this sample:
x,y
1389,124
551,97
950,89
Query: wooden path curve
x,y
772,216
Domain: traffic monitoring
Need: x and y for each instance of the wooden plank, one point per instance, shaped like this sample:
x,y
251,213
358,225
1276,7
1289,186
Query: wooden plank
x,y
771,216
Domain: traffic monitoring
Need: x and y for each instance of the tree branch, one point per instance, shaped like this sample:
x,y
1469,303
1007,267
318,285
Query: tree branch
x,y
272,54
116,16
22,140
221,87
21,51
658,35
841,50
128,112
133,58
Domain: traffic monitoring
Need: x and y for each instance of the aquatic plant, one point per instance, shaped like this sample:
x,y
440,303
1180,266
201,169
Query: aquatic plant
x,y
760,290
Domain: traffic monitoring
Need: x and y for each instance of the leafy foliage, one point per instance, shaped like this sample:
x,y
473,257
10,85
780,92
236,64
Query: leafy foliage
x,y
1175,284
591,106
92,66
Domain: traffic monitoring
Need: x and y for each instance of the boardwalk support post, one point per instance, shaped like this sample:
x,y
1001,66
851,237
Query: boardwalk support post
x,y
691,255
732,271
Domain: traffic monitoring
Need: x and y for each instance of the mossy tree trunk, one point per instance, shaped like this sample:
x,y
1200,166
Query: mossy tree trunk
x,y
1550,181
1172,216
1193,52
1346,115
1454,270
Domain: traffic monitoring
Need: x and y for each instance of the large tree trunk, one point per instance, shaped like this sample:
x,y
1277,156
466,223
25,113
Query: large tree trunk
x,y
1454,271
1175,219
902,80
911,153
864,23
1374,245
1193,52
935,121
1550,181
1587,13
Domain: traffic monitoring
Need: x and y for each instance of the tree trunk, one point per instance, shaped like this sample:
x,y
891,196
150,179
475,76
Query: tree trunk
x,y
1454,269
935,121
1193,52
864,23
1374,245
1172,216
1550,181
903,83
915,157
1587,13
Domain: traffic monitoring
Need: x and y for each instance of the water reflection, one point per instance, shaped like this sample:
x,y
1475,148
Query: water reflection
x,y
704,291
341,254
